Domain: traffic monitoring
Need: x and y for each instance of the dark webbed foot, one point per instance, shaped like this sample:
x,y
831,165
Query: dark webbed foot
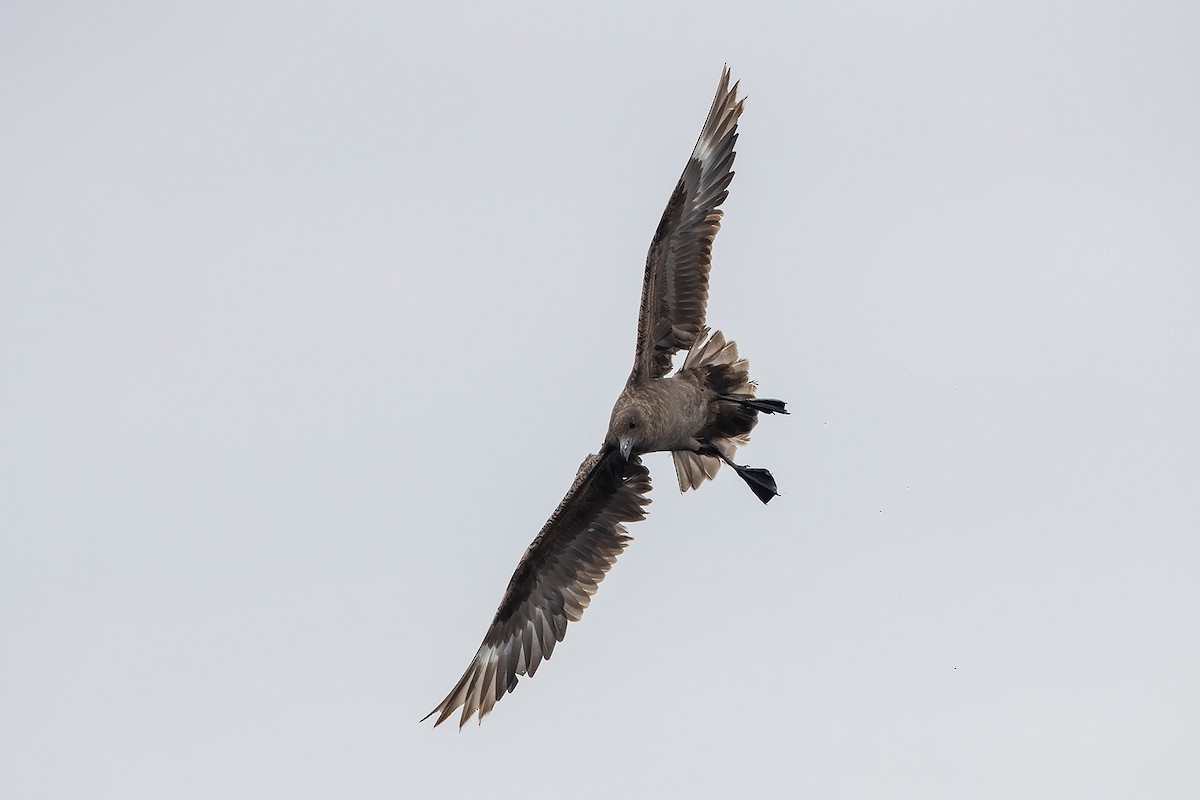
x,y
760,481
762,404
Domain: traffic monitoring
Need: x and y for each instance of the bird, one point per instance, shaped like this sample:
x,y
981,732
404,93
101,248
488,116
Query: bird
x,y
700,414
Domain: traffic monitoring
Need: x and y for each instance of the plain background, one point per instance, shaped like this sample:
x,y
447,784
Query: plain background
x,y
308,313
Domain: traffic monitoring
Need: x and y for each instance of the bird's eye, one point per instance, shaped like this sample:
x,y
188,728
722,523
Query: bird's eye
x,y
632,424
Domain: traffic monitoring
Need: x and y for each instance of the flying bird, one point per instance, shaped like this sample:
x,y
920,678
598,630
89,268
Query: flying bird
x,y
700,414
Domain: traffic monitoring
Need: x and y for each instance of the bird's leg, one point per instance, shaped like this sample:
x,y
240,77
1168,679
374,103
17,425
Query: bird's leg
x,y
760,481
762,404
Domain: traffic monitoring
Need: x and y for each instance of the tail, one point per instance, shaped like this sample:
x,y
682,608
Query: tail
x,y
728,377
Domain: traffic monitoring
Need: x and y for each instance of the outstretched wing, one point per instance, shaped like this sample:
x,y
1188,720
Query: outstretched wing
x,y
675,289
554,581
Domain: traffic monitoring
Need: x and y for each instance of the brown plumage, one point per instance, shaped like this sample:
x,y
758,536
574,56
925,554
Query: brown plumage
x,y
701,414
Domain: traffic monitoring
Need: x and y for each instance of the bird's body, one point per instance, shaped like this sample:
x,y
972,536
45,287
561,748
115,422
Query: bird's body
x,y
684,393
700,414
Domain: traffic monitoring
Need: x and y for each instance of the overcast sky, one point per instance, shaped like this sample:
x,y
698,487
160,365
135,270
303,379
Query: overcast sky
x,y
308,314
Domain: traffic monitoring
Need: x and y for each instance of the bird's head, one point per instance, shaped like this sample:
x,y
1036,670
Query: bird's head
x,y
626,429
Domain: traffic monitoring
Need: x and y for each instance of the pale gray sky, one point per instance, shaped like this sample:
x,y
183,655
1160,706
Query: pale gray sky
x,y
309,313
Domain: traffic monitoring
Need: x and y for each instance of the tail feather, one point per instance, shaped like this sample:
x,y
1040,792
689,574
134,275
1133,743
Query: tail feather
x,y
727,374
693,469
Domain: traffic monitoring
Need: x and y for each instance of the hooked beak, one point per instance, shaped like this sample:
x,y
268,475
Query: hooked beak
x,y
626,445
